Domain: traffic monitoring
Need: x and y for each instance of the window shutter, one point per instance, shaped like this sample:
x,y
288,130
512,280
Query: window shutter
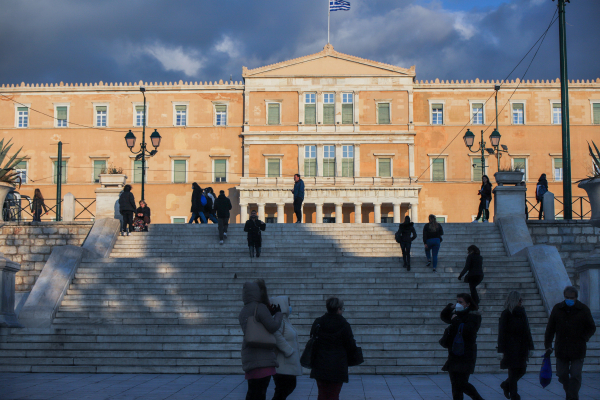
x,y
328,114
477,107
477,169
179,171
101,108
63,175
310,167
596,119
519,163
558,163
99,167
517,106
348,167
22,108
21,165
273,168
347,114
329,167
437,106
556,105
137,171
273,118
139,109
61,112
310,114
437,170
384,113
385,167
221,108
220,170
180,108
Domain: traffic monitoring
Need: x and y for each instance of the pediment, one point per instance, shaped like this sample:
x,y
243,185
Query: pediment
x,y
327,63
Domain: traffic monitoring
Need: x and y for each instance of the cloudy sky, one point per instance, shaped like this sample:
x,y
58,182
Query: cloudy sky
x,y
164,40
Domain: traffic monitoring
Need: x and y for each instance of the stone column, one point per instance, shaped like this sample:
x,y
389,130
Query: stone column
x,y
509,201
8,269
107,196
301,160
319,219
261,211
280,213
246,160
69,207
414,213
358,213
339,218
320,160
243,212
411,160
396,213
357,160
377,212
338,159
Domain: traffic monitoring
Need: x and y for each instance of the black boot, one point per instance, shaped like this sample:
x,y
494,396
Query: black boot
x,y
251,251
257,252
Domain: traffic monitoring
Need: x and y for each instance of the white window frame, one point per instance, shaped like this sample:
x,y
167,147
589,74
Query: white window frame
x,y
310,158
444,115
512,120
348,158
377,157
345,100
471,102
133,170
226,104
445,218
554,157
178,103
377,102
592,102
179,158
17,105
552,102
94,159
214,171
472,159
334,158
134,104
273,157
433,157
185,219
526,157
56,105
94,105
314,97
21,170
267,102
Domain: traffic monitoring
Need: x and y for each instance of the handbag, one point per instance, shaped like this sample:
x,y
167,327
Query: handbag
x,y
257,335
398,236
546,372
308,355
458,346
356,358
445,338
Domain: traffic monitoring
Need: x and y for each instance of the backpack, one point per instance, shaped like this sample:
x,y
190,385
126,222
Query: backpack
x,y
541,191
458,346
209,203
203,200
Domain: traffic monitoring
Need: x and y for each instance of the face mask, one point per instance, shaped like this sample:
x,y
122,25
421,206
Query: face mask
x,y
569,302
290,310
459,307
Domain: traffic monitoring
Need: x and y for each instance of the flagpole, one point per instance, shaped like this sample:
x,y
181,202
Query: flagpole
x,y
328,19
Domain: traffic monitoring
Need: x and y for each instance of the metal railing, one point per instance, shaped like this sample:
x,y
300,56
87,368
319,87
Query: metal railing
x,y
20,209
581,206
85,213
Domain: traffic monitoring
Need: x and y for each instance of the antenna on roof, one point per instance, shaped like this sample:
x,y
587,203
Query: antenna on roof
x,y
230,77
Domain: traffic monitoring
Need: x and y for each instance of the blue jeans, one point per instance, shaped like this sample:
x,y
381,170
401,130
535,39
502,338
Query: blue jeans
x,y
196,215
433,245
213,218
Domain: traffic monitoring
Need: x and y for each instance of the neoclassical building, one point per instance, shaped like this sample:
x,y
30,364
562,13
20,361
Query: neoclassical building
x,y
371,142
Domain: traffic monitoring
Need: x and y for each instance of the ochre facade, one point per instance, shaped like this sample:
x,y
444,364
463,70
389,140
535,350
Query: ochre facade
x,y
366,116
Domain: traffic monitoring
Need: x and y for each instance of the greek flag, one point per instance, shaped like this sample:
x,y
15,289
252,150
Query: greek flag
x,y
339,5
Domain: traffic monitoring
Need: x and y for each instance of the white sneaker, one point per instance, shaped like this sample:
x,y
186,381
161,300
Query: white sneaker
x,y
225,234
486,221
475,221
221,242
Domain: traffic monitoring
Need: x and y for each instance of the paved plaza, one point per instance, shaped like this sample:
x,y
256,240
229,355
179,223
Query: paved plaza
x,y
43,386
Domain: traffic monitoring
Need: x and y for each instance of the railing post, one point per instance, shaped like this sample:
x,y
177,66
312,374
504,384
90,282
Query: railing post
x,y
69,207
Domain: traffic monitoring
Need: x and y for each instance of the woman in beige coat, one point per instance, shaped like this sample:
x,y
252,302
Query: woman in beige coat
x,y
288,354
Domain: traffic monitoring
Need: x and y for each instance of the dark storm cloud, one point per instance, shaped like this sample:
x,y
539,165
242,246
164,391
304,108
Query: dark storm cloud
x,y
128,41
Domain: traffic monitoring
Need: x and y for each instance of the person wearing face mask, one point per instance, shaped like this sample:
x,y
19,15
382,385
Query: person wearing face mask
x,y
572,323
288,355
254,226
464,320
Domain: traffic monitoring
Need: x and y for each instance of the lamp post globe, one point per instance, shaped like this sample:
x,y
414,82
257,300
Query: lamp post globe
x,y
130,139
469,138
155,138
495,138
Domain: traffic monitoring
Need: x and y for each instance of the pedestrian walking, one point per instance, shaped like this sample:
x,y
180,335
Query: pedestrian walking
x,y
473,271
335,345
142,217
209,208
222,207
197,205
288,353
254,226
572,323
464,320
540,190
258,363
298,192
485,198
126,208
432,238
514,342
405,236
38,206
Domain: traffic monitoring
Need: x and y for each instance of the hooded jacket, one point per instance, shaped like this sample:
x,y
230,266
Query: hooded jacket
x,y
126,202
407,232
255,357
196,198
472,321
222,206
288,353
573,326
254,228
473,266
514,338
299,189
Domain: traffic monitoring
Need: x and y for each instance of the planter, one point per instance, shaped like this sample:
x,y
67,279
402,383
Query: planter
x,y
508,177
113,180
5,188
592,187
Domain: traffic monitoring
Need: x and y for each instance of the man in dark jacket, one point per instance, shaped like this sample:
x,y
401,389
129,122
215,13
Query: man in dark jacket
x,y
197,207
474,271
127,208
406,234
254,226
572,323
298,192
222,206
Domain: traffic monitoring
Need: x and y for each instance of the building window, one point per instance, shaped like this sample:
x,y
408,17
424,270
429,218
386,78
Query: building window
x,y
385,167
270,220
61,116
21,170
477,173
518,113
438,170
273,167
180,115
63,170
329,220
383,113
556,113
99,168
328,109
22,117
101,115
220,170
558,169
310,108
477,111
440,219
137,172
139,115
274,112
310,160
179,171
178,220
596,113
387,220
347,108
328,161
437,114
221,114
348,161
520,164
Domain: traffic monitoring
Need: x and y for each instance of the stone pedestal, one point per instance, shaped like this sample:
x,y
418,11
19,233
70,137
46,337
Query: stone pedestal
x,y
548,202
589,284
8,269
509,201
107,196
68,207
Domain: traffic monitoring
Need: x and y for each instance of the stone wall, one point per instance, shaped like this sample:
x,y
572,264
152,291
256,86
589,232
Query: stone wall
x,y
574,240
30,244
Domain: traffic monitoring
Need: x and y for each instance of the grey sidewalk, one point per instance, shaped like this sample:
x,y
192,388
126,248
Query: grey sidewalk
x,y
42,386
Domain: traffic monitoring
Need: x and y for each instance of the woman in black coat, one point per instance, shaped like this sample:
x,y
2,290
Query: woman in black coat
x,y
515,342
334,345
540,189
474,271
142,216
485,194
197,207
254,226
462,316
405,236
126,208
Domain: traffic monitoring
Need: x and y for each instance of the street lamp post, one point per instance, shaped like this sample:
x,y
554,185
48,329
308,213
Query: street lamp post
x,y
141,155
469,139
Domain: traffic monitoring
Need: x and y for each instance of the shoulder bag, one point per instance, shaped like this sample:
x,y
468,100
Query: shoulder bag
x,y
458,346
445,338
308,355
257,335
356,358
